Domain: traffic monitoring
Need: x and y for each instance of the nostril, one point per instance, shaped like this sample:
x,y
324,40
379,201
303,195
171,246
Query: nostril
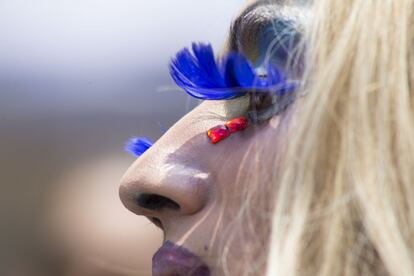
x,y
157,222
156,202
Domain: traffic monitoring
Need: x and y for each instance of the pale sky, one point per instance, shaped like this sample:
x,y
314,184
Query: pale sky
x,y
57,50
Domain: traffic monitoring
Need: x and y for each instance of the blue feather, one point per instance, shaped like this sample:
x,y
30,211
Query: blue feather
x,y
274,76
202,77
205,56
242,70
237,72
138,146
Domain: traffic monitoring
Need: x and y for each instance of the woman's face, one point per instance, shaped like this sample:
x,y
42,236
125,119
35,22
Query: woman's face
x,y
211,201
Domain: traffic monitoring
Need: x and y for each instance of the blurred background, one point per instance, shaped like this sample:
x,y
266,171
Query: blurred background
x,y
77,79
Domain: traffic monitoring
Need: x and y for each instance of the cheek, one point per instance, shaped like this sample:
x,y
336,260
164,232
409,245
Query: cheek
x,y
242,195
242,179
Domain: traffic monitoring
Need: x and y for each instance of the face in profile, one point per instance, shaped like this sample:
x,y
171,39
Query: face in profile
x,y
213,201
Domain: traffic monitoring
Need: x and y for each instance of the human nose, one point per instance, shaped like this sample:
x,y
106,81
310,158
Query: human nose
x,y
161,188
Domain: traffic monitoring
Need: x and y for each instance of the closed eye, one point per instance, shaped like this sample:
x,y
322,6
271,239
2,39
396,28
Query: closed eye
x,y
264,106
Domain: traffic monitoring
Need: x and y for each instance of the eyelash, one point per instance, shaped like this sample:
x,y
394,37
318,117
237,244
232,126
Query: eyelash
x,y
260,101
263,106
202,77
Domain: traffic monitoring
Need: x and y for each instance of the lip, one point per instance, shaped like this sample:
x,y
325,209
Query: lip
x,y
174,260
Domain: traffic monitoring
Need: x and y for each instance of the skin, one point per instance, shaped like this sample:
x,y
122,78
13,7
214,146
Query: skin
x,y
186,168
224,208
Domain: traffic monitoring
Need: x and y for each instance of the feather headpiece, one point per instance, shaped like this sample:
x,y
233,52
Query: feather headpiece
x,y
204,77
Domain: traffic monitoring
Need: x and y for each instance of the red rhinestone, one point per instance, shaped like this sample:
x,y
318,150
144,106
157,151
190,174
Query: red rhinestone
x,y
218,133
237,124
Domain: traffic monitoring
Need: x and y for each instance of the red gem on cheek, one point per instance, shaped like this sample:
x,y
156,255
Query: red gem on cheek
x,y
237,124
218,133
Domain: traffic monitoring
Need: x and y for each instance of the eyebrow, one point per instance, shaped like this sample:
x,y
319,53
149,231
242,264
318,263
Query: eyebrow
x,y
246,27
238,24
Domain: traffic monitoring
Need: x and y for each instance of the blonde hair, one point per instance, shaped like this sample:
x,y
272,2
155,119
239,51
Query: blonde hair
x,y
344,202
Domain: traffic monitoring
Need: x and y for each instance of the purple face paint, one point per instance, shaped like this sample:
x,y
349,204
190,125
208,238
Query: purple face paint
x,y
172,259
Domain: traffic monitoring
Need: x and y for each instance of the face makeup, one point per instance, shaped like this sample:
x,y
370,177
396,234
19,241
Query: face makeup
x,y
187,175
